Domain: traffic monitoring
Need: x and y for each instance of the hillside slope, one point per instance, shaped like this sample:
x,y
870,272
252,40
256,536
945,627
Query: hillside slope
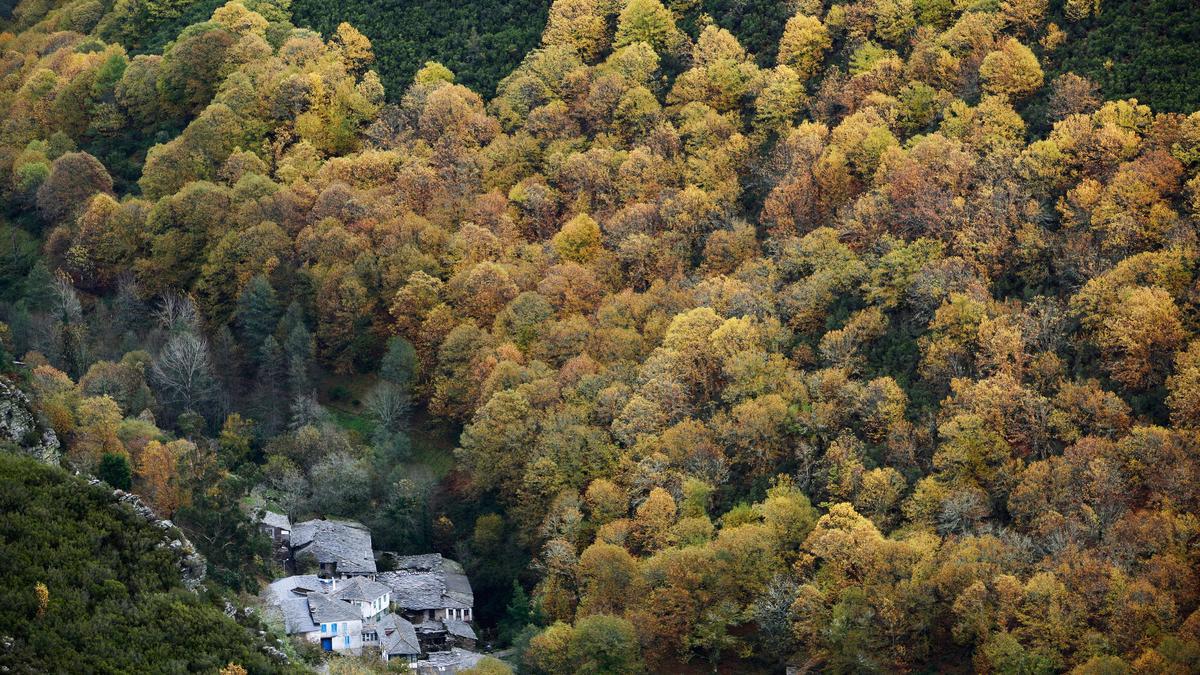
x,y
114,600
874,346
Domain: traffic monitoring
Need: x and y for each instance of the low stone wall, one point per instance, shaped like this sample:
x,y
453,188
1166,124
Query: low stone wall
x,y
192,565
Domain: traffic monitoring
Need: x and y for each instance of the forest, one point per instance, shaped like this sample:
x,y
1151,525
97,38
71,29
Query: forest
x,y
714,337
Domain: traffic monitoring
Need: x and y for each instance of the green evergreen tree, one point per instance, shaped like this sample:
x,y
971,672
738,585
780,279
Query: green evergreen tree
x,y
399,365
517,615
114,470
236,550
257,312
293,316
39,290
269,394
129,312
300,349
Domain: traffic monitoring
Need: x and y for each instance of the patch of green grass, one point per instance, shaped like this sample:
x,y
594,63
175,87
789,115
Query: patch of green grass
x,y
433,446
433,440
342,396
353,422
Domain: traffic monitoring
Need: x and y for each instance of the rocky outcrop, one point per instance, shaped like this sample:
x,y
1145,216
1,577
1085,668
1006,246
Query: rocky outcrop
x,y
20,426
192,566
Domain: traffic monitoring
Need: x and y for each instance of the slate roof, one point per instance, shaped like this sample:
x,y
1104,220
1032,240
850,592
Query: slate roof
x,y
428,581
290,595
458,590
296,617
442,663
424,562
299,583
415,590
359,589
278,520
397,636
460,629
305,606
344,542
327,610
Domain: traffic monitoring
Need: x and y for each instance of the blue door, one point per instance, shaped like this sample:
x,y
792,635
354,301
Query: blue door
x,y
327,644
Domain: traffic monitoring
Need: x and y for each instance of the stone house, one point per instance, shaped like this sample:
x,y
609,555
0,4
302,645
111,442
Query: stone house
x,y
277,526
422,606
430,587
370,598
435,595
340,548
397,639
311,614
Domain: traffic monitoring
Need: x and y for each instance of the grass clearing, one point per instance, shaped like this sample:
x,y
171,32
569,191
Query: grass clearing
x,y
433,440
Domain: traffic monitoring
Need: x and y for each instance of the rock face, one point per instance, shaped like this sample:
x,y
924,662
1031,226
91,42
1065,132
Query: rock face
x,y
192,566
20,426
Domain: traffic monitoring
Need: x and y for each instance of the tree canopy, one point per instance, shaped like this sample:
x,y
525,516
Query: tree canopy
x,y
862,336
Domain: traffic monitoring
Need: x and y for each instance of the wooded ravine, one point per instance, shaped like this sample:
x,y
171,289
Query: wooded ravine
x,y
706,336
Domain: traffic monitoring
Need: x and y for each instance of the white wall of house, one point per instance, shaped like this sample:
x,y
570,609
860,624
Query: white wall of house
x,y
337,634
448,613
373,610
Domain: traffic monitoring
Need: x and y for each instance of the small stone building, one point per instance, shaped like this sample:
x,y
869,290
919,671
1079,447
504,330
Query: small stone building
x,y
344,615
277,526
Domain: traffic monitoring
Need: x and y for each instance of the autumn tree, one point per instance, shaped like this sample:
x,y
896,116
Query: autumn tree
x,y
578,24
1012,70
159,474
74,178
608,574
1184,387
650,22
1144,332
1071,94
497,442
605,644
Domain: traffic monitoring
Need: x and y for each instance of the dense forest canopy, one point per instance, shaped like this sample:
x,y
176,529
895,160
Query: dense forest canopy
x,y
1143,50
864,341
1130,48
481,41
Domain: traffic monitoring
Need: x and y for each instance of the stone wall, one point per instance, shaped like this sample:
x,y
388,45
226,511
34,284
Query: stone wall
x,y
192,566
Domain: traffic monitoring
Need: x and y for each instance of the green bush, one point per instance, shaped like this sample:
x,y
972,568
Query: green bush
x,y
114,470
113,599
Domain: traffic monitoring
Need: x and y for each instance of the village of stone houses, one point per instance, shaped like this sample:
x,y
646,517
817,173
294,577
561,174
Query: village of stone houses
x,y
417,612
